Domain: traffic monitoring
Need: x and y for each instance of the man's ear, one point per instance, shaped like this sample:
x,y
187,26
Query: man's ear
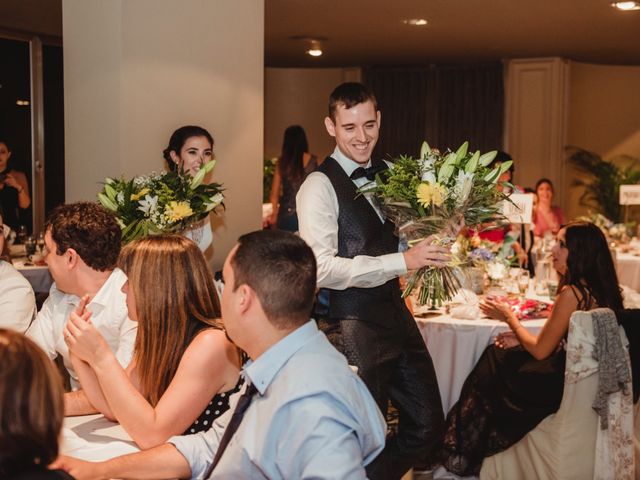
x,y
379,117
72,258
245,296
330,126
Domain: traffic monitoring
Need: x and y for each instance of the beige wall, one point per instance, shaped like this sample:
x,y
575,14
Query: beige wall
x,y
137,69
299,96
604,116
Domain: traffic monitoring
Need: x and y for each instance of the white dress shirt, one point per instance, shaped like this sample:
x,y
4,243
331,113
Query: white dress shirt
x,y
109,316
312,418
317,206
17,302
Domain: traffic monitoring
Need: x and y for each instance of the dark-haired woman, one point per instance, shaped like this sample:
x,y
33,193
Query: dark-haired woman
x,y
31,410
14,189
546,216
519,381
294,164
189,148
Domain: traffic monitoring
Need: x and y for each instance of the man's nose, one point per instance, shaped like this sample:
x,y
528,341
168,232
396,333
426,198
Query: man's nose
x,y
360,134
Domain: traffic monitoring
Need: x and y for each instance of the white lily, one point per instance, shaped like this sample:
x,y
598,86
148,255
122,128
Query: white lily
x,y
148,205
464,184
428,170
214,202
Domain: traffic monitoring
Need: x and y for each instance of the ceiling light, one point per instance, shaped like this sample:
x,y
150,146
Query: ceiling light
x,y
415,22
22,103
315,48
626,6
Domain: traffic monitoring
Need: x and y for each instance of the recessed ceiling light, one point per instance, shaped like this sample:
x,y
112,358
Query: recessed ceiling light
x,y
415,22
626,6
314,52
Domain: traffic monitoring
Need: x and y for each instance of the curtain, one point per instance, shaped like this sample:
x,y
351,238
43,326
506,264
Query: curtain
x,y
444,105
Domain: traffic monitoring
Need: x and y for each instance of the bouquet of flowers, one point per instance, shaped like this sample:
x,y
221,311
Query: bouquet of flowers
x,y
160,202
431,195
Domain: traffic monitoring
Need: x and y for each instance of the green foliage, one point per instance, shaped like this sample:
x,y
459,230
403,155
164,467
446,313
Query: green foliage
x,y
268,171
603,191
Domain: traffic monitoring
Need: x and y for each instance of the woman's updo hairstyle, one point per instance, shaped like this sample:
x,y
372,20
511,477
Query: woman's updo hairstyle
x,y
179,138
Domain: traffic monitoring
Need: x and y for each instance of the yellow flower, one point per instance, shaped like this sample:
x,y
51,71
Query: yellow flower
x,y
428,193
423,193
176,211
438,194
140,194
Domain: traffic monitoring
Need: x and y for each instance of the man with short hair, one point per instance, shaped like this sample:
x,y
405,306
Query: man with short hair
x,y
82,242
358,268
303,412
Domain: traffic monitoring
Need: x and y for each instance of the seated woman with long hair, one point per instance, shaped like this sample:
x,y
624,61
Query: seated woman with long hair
x,y
31,410
183,369
519,381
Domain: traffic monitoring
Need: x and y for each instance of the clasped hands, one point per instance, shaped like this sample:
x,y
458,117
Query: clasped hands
x,y
498,310
82,338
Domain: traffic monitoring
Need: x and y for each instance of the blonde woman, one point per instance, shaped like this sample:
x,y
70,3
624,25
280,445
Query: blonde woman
x,y
183,369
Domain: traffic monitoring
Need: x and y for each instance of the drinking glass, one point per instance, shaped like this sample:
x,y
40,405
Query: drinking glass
x,y
40,243
30,246
523,282
22,233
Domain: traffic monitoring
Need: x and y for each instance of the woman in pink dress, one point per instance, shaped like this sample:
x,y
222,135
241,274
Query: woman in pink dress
x,y
546,217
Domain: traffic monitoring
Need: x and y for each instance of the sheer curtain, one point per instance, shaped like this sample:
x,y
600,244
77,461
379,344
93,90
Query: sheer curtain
x,y
444,105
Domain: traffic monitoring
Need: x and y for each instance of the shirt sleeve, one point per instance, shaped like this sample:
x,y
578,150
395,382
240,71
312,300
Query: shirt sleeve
x,y
200,448
317,208
41,330
17,302
126,342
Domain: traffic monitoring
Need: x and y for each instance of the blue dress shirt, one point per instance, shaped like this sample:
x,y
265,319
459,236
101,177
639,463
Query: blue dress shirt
x,y
311,418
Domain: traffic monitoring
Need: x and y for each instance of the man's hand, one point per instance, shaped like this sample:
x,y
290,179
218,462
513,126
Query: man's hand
x,y
425,254
78,469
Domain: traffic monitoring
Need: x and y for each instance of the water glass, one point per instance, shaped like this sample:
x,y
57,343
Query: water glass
x,y
22,233
30,246
552,287
523,282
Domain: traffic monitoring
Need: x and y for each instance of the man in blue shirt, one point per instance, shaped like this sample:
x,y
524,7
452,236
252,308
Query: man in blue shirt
x,y
310,415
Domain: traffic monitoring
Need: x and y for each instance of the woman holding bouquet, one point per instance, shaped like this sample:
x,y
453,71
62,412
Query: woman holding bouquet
x,y
183,368
189,148
519,381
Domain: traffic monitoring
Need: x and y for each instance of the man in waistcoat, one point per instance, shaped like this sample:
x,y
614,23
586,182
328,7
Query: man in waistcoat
x,y
358,268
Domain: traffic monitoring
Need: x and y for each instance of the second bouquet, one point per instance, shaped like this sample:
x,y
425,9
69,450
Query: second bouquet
x,y
434,195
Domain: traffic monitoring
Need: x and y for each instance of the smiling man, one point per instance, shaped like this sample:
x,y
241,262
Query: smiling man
x,y
358,268
83,243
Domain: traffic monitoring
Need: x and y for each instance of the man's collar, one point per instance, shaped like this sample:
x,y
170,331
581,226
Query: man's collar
x,y
263,370
345,162
103,297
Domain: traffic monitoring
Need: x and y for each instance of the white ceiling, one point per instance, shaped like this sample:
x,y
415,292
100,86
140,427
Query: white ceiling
x,y
371,32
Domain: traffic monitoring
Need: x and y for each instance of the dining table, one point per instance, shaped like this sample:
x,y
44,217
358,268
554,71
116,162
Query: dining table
x,y
456,344
628,268
94,438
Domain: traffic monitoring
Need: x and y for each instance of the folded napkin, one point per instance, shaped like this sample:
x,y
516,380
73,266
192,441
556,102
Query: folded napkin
x,y
465,312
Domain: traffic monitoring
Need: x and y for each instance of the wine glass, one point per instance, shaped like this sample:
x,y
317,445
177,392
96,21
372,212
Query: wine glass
x,y
22,233
523,282
40,243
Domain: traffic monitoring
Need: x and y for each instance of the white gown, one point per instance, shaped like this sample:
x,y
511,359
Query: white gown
x,y
201,234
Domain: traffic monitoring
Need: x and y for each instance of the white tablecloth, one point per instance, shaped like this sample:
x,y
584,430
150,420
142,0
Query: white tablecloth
x,y
38,276
628,269
455,346
94,438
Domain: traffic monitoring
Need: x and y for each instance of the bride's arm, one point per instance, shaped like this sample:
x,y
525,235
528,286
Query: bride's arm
x,y
544,344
